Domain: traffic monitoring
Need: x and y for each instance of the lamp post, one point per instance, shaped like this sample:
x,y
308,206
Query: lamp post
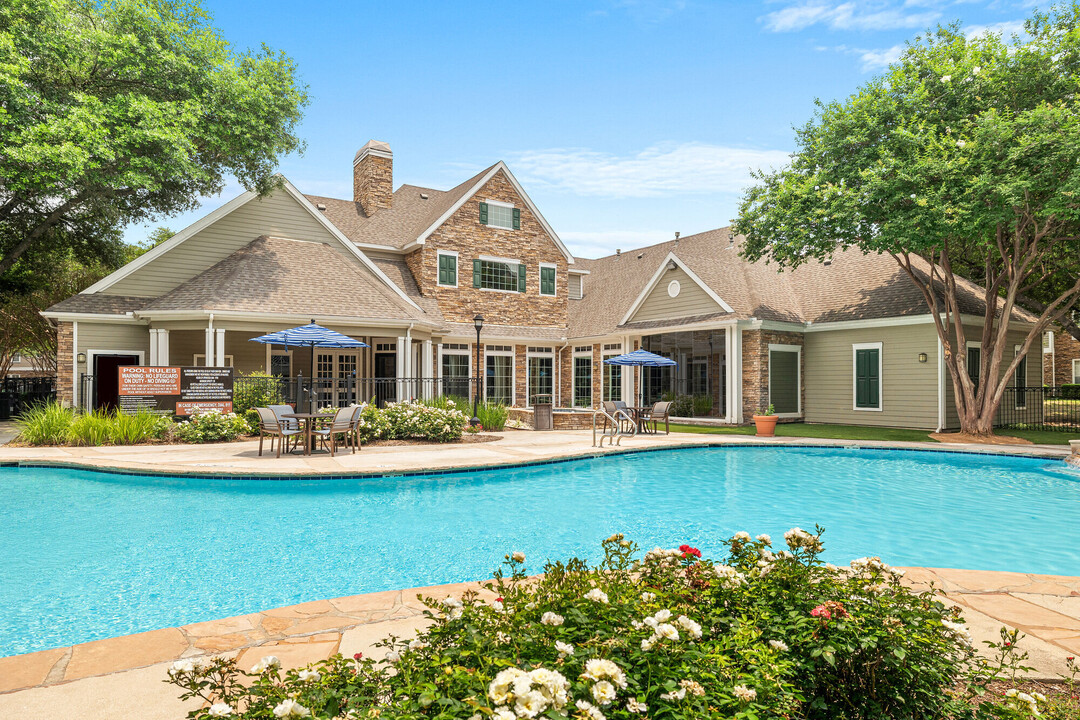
x,y
478,323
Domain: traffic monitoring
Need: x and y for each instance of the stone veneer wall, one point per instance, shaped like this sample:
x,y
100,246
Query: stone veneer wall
x,y
65,379
1059,370
755,370
561,420
464,234
373,183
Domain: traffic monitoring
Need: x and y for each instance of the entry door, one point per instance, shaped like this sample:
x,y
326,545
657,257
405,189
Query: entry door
x,y
385,376
107,378
335,371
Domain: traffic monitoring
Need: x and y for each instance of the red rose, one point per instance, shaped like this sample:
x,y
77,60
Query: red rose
x,y
687,551
357,656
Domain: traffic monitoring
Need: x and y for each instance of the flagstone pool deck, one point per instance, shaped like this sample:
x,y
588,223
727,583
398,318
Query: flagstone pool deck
x,y
123,678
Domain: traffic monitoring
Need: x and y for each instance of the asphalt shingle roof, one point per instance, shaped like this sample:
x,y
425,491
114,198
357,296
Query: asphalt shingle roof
x,y
99,303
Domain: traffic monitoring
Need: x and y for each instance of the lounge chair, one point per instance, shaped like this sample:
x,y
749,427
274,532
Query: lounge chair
x,y
341,425
660,411
270,426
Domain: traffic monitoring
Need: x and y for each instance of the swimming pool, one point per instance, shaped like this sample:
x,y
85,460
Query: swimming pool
x,y
88,554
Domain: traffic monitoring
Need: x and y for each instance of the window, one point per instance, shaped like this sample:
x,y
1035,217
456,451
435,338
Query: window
x,y
612,380
547,279
447,268
454,369
784,391
575,286
867,373
1020,379
541,380
583,380
490,274
499,370
281,364
974,359
1076,371
500,215
1048,341
699,375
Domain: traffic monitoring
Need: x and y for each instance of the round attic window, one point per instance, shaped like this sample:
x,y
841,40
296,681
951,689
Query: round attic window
x,y
673,288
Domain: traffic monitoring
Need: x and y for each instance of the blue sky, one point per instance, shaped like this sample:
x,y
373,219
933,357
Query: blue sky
x,y
626,120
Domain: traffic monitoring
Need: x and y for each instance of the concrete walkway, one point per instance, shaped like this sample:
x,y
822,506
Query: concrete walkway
x,y
510,447
124,678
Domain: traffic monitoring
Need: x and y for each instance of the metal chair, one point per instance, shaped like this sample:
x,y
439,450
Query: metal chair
x,y
287,423
660,411
341,425
358,410
270,426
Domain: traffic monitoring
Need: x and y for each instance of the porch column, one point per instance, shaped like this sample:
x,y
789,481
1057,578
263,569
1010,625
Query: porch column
x,y
402,365
219,347
629,376
209,345
733,342
159,347
427,369
153,347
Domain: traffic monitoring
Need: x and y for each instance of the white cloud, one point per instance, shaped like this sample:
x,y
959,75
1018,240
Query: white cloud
x,y
1005,29
879,59
849,16
655,171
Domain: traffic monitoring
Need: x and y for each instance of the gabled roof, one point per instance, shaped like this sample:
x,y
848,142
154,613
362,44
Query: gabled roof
x,y
655,281
854,286
287,277
411,218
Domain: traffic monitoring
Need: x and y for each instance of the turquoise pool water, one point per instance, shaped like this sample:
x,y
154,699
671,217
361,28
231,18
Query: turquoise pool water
x,y
87,555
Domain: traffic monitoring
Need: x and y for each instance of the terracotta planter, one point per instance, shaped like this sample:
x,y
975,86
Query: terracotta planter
x,y
766,425
1075,445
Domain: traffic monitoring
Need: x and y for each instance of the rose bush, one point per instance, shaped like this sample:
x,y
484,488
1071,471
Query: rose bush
x,y
406,420
211,426
768,633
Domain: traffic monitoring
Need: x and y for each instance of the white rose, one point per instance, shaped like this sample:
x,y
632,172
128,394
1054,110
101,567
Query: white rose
x,y
946,78
518,556
603,692
744,693
309,675
634,706
597,595
550,618
648,597
564,648
267,663
778,645
393,656
220,710
291,708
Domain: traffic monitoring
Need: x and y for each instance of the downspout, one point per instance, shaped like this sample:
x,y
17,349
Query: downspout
x,y
409,357
940,386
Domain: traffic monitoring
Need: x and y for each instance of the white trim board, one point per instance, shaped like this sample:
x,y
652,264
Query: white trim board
x,y
475,189
655,280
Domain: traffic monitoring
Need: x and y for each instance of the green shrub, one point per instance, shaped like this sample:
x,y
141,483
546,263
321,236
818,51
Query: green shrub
x,y
413,420
702,405
125,429
1070,392
767,634
211,426
449,402
45,424
682,406
374,425
89,429
256,389
492,416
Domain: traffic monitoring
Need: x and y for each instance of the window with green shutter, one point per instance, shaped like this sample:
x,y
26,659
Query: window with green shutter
x,y
521,277
868,378
483,213
547,280
447,269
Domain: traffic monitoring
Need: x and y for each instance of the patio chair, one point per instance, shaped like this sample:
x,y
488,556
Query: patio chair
x,y
357,412
270,426
611,407
660,411
341,425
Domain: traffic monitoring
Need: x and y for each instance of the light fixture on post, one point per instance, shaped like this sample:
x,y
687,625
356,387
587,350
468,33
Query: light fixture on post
x,y
478,323
922,357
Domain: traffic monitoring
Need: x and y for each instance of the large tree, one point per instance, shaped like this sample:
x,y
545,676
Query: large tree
x,y
965,154
115,111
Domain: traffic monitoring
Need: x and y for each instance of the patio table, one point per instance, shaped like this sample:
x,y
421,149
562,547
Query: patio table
x,y
641,417
309,419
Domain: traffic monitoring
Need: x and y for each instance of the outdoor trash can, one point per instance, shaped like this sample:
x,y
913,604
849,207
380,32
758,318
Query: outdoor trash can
x,y
542,414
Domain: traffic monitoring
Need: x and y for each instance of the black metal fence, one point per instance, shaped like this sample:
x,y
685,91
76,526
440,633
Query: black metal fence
x,y
1038,408
306,393
19,393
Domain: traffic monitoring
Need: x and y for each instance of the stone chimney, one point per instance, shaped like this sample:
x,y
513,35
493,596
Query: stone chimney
x,y
373,177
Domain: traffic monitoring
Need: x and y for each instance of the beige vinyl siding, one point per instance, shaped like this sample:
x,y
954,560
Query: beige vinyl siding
x,y
574,285
113,338
691,300
1034,370
909,396
278,214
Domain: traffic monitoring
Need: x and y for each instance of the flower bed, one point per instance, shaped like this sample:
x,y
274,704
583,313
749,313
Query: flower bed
x,y
767,633
404,420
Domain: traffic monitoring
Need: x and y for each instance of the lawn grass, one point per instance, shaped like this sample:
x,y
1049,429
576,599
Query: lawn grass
x,y
861,432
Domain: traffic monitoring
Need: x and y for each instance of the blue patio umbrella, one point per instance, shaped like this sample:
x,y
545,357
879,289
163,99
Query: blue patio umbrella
x,y
311,336
641,358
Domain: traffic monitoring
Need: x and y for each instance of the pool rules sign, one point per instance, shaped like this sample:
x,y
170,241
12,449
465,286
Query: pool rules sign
x,y
176,390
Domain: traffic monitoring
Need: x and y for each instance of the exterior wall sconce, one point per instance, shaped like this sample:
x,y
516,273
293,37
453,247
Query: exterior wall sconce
x,y
922,357
81,357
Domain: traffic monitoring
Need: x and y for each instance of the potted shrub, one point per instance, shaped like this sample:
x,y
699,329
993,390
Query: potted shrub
x,y
765,421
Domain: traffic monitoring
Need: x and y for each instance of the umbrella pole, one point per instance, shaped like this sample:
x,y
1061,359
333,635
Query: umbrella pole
x,y
311,393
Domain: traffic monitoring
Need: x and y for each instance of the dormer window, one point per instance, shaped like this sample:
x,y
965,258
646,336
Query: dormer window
x,y
500,215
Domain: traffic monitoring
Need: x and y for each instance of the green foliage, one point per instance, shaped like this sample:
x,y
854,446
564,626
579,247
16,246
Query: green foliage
x,y
211,426
374,425
154,238
703,405
448,402
1070,392
963,159
256,389
124,110
413,421
766,411
89,429
492,416
45,424
766,634
131,429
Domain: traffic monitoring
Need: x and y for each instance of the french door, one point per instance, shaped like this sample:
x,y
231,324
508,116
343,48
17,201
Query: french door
x,y
336,373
